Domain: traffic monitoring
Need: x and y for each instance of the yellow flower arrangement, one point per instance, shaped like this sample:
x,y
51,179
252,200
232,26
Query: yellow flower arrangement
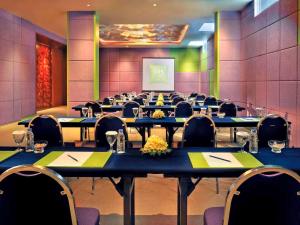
x,y
160,97
159,103
155,146
158,114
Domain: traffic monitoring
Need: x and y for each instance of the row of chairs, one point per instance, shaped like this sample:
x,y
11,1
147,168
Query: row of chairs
x,y
182,109
199,130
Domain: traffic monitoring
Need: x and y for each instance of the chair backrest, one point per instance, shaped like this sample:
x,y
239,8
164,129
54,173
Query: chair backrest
x,y
229,108
96,107
125,94
108,123
35,195
199,131
139,100
210,100
183,109
118,97
200,97
272,127
106,101
265,195
46,127
143,96
127,110
193,95
174,96
177,100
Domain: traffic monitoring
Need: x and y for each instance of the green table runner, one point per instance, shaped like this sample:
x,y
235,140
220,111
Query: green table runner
x,y
75,159
180,120
6,154
246,160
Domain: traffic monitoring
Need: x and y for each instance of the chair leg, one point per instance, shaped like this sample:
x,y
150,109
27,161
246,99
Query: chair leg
x,y
217,186
93,184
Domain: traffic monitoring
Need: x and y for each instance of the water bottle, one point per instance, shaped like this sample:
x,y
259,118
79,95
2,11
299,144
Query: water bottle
x,y
29,140
209,112
90,112
121,142
253,142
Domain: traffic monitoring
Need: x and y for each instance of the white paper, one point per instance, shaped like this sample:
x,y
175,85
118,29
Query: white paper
x,y
250,119
65,119
213,162
65,159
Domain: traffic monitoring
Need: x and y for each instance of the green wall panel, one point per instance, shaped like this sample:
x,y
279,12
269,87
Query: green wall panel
x,y
187,59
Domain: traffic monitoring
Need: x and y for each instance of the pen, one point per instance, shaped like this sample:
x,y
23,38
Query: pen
x,y
73,158
219,158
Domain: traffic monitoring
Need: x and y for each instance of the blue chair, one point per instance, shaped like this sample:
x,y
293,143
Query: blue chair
x,y
106,101
36,195
199,131
117,97
139,100
272,127
177,100
193,95
210,100
183,109
127,109
96,107
261,196
174,96
108,123
229,108
46,127
200,97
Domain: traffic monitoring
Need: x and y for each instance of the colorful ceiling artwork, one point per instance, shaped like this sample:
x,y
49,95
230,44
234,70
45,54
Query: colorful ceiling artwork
x,y
141,34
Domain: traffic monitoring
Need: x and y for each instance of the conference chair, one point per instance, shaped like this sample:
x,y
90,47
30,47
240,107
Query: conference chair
x,y
139,100
261,196
47,127
193,95
183,109
37,195
106,101
200,97
95,106
210,100
272,127
127,109
177,100
230,110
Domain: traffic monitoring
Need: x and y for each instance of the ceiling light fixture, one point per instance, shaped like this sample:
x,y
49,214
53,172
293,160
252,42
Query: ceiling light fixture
x,y
207,27
196,43
154,4
88,4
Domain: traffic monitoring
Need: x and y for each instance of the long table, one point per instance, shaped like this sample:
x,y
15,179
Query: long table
x,y
132,164
170,123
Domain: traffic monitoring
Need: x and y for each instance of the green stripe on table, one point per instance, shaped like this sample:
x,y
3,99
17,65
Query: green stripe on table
x,y
180,120
6,154
236,119
97,159
76,120
247,160
198,160
45,161
106,106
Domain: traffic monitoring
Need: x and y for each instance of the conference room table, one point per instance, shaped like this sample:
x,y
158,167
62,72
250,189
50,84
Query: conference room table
x,y
177,165
150,108
170,123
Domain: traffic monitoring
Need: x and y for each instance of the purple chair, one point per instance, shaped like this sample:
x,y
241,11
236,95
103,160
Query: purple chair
x,y
262,196
36,195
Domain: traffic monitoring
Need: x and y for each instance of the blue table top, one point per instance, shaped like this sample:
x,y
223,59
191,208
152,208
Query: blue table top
x,y
177,164
167,121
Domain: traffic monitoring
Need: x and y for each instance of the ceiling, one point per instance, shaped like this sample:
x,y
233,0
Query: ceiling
x,y
51,14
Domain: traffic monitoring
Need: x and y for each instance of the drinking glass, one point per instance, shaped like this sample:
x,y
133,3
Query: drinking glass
x,y
242,137
111,137
84,111
18,136
135,112
276,145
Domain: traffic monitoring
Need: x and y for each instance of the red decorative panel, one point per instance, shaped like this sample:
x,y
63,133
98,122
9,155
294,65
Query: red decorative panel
x,y
44,79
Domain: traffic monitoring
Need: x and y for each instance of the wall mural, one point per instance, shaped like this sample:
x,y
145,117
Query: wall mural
x,y
44,79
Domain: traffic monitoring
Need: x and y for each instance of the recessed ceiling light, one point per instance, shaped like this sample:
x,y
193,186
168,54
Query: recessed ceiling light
x,y
154,4
207,27
196,43
88,4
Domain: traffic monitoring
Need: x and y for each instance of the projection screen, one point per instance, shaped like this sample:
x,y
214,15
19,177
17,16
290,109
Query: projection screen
x,y
158,74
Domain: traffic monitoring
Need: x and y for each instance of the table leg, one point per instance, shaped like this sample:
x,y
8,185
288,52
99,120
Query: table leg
x,y
182,200
128,201
171,133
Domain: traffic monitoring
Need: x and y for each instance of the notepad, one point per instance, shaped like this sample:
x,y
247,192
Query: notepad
x,y
200,160
64,120
75,159
249,119
173,106
106,106
180,120
6,154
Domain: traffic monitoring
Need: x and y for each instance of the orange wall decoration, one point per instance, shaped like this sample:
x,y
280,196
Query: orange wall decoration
x,y
44,78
